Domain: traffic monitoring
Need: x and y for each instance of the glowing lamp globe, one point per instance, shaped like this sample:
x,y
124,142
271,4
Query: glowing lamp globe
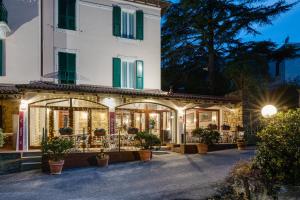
x,y
268,111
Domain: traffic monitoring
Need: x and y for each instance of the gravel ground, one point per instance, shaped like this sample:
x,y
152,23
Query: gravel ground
x,y
167,176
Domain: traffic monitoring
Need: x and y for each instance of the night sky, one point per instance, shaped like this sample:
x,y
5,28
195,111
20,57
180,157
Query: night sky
x,y
287,24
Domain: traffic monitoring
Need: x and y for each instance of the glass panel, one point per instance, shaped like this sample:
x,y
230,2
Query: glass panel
x,y
80,122
208,117
131,75
124,75
131,25
124,24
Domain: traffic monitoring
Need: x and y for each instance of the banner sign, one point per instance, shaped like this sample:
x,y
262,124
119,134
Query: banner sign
x,y
112,122
21,130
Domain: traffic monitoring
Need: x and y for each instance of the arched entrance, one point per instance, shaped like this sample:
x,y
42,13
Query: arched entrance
x,y
153,117
48,116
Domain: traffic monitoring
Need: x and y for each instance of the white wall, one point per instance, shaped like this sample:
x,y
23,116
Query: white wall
x,y
22,46
92,41
96,46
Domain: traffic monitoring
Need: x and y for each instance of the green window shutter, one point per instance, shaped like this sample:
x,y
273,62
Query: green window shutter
x,y
116,72
71,68
139,25
67,14
139,74
117,21
1,59
67,68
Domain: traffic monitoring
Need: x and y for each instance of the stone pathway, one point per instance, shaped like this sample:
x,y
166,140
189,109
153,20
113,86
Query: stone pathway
x,y
167,176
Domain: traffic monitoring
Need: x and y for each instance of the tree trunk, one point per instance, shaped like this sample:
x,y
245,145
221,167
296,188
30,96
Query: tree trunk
x,y
246,109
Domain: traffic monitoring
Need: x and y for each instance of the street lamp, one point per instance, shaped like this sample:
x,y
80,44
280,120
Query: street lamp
x,y
269,111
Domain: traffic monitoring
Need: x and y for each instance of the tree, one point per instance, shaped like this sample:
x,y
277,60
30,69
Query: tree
x,y
200,34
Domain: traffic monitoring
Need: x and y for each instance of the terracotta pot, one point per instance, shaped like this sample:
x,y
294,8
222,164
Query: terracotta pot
x,y
102,162
145,155
56,166
241,145
202,148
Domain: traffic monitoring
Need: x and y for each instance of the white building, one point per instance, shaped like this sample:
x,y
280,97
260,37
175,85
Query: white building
x,y
91,64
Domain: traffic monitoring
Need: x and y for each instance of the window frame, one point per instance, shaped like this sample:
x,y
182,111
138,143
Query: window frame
x,y
56,68
128,60
56,14
128,11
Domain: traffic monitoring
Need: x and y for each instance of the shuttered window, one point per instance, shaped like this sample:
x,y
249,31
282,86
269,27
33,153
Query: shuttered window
x,y
128,74
67,14
66,68
139,25
128,24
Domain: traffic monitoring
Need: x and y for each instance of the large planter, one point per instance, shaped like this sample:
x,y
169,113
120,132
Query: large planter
x,y
145,155
56,166
99,133
103,162
202,148
241,144
66,131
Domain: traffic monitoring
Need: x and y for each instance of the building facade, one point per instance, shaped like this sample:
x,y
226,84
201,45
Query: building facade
x,y
90,65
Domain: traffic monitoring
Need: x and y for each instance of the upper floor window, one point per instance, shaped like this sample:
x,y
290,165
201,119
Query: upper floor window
x,y
67,14
66,68
128,24
128,73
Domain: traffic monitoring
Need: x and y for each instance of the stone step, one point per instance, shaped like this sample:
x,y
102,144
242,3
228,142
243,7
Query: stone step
x,y
30,166
31,153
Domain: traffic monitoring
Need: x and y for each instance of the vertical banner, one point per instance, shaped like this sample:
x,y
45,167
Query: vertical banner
x,y
112,122
21,131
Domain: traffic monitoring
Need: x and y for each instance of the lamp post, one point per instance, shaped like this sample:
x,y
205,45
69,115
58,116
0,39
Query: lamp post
x,y
269,111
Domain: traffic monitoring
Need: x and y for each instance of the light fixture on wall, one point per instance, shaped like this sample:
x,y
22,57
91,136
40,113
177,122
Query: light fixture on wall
x,y
109,102
23,105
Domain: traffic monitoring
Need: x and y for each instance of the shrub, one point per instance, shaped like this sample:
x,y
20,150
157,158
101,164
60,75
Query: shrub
x,y
244,182
56,148
278,153
206,136
147,140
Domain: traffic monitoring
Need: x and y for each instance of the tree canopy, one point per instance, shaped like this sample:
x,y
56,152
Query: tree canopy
x,y
201,39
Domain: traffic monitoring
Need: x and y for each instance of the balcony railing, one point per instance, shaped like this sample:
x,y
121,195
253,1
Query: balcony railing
x,y
3,13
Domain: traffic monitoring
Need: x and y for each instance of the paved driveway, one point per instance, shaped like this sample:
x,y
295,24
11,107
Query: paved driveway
x,y
167,176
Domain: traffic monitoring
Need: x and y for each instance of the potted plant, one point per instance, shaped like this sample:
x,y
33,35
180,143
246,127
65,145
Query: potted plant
x,y
2,138
102,159
206,137
225,127
56,149
66,131
241,143
146,141
151,124
212,126
99,132
132,130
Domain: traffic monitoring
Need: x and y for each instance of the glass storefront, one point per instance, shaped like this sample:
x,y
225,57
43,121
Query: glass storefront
x,y
50,116
155,118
